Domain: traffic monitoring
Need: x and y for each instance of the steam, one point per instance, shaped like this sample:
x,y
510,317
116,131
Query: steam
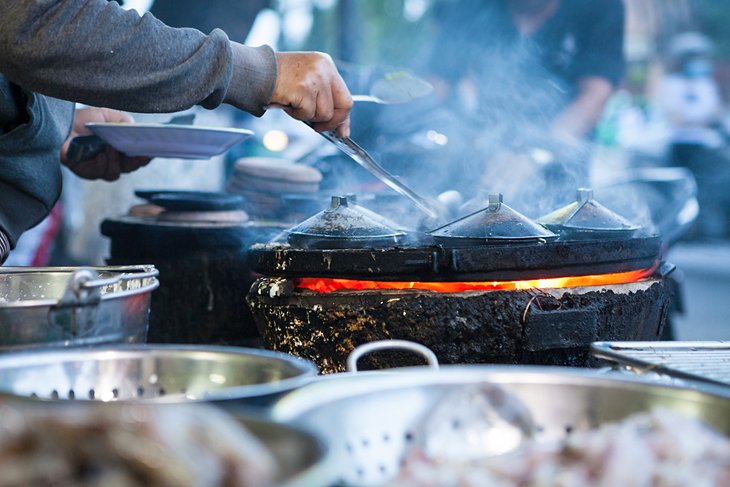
x,y
492,129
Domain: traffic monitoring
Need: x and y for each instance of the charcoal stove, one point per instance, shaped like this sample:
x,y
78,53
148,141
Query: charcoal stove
x,y
198,241
481,297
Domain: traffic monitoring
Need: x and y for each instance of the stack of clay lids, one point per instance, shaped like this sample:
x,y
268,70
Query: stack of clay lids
x,y
263,180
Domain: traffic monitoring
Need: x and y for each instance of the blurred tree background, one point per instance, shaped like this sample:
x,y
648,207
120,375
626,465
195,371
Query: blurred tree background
x,y
391,33
369,32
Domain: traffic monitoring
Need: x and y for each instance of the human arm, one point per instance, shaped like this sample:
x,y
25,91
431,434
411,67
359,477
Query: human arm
x,y
95,52
598,66
584,111
110,164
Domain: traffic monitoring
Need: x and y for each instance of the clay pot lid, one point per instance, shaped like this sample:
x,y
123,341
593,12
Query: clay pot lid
x,y
343,224
497,222
587,216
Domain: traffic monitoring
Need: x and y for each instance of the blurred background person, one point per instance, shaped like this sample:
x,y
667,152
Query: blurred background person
x,y
689,97
525,82
557,59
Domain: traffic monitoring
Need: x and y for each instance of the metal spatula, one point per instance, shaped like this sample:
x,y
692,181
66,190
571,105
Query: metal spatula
x,y
396,87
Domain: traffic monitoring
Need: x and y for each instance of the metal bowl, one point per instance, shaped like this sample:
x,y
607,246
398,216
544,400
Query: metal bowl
x,y
299,454
369,420
160,373
72,306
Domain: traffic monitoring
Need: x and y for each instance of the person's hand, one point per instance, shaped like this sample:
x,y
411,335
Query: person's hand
x,y
110,163
309,88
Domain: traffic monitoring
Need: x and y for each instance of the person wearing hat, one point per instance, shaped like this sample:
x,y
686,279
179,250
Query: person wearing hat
x,y
96,53
690,97
690,100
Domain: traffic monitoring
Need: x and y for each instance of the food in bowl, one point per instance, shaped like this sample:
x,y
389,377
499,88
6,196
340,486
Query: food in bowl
x,y
129,445
657,448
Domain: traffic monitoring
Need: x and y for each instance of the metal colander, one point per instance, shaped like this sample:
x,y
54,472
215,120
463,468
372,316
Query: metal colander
x,y
371,420
166,373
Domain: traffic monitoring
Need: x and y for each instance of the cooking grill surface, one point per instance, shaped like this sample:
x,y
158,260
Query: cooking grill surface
x,y
503,261
702,361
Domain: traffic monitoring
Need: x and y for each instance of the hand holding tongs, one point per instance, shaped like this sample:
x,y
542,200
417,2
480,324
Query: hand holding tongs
x,y
395,87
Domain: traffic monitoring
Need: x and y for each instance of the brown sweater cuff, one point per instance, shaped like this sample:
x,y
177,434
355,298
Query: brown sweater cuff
x,y
253,79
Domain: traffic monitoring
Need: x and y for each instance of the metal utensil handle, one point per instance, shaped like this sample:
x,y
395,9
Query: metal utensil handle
x,y
361,156
124,276
363,350
367,99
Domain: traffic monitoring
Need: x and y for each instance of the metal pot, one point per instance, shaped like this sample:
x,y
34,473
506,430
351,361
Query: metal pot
x,y
363,420
299,454
157,373
67,306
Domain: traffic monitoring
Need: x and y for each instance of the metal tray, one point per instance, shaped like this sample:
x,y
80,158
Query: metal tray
x,y
706,362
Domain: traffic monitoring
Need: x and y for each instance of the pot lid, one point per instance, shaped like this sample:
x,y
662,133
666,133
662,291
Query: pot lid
x,y
495,222
342,221
352,201
191,201
586,214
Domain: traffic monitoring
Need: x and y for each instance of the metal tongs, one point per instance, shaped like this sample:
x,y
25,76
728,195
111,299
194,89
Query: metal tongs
x,y
395,87
362,157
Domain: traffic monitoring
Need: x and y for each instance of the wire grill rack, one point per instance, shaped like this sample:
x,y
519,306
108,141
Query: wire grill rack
x,y
707,362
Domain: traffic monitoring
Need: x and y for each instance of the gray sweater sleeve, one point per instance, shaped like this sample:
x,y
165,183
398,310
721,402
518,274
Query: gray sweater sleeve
x,y
95,52
4,247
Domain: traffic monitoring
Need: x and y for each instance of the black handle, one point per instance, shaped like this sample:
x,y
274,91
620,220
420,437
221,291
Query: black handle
x,y
84,147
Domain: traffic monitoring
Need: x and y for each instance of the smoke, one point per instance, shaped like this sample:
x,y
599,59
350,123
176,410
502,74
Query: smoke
x,y
485,129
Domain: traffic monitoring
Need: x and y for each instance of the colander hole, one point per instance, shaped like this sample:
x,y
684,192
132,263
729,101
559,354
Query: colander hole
x,y
162,391
54,394
140,391
383,468
539,428
115,393
360,472
409,436
386,437
365,442
92,394
568,429
456,424
71,394
348,447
